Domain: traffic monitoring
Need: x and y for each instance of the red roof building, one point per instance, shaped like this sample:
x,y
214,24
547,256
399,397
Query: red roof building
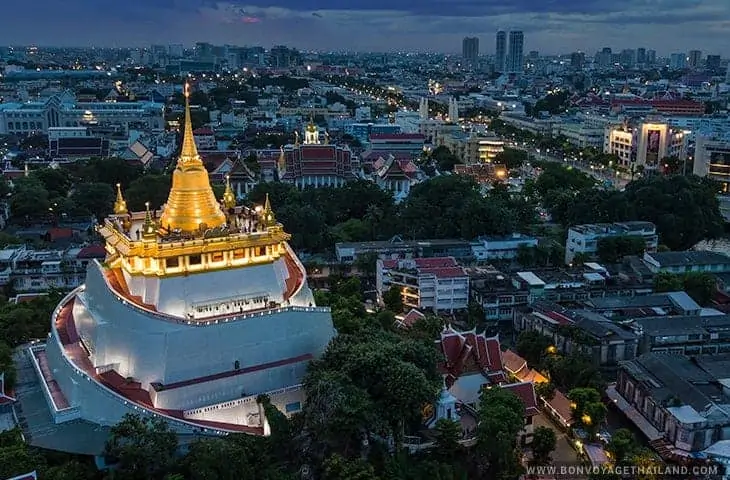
x,y
396,175
317,165
437,284
525,391
471,362
470,352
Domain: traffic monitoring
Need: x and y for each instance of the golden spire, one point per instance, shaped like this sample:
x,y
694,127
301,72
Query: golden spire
x,y
229,199
268,214
149,230
189,151
191,205
120,205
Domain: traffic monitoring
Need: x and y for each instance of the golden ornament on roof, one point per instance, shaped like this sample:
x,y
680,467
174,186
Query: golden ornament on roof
x,y
120,205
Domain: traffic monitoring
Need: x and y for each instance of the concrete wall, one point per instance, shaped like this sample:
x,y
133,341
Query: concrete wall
x,y
152,349
230,388
245,411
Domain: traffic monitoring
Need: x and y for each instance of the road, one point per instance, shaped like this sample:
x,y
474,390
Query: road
x,y
602,175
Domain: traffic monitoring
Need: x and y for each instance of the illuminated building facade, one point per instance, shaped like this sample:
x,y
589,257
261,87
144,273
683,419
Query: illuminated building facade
x,y
64,111
316,163
197,309
646,144
712,159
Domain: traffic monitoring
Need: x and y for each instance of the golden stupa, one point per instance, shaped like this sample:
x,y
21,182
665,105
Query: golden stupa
x,y
191,205
229,198
120,205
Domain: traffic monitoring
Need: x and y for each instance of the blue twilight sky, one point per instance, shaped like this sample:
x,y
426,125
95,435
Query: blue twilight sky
x,y
550,26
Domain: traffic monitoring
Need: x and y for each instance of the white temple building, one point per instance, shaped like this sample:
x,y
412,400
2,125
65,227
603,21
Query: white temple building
x,y
198,308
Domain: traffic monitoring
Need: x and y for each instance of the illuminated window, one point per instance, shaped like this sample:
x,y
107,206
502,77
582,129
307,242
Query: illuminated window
x,y
216,257
239,253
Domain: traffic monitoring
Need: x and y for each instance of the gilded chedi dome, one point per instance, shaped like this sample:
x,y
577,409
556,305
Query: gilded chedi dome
x,y
192,205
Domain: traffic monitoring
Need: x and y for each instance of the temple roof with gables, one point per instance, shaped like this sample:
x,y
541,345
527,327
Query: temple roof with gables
x,y
470,352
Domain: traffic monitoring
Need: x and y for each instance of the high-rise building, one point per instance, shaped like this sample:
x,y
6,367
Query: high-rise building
x,y
470,49
727,74
423,109
650,57
678,61
453,110
694,58
712,158
577,59
641,56
604,58
628,58
198,308
712,62
515,58
281,56
500,53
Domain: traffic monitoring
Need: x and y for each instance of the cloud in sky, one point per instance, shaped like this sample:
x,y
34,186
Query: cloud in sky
x,y
550,26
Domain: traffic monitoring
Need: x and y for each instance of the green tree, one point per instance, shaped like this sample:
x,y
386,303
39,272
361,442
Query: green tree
x,y
623,445
444,159
685,210
149,188
574,371
448,434
545,390
29,200
372,381
588,410
501,419
393,299
613,249
533,347
55,181
543,444
141,448
511,158
337,467
94,198
701,286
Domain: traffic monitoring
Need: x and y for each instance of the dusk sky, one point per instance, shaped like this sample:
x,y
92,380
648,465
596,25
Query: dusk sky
x,y
550,26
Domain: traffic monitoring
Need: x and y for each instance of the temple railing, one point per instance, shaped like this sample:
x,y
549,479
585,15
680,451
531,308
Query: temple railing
x,y
204,323
240,401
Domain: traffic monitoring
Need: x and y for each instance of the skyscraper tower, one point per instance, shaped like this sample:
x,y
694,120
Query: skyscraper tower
x,y
470,49
423,109
515,58
500,57
694,58
453,110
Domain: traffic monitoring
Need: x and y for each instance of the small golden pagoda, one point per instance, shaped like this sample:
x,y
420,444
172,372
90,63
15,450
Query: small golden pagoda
x,y
192,205
229,198
120,205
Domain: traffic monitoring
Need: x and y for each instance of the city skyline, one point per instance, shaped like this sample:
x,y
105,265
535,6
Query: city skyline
x,y
401,25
